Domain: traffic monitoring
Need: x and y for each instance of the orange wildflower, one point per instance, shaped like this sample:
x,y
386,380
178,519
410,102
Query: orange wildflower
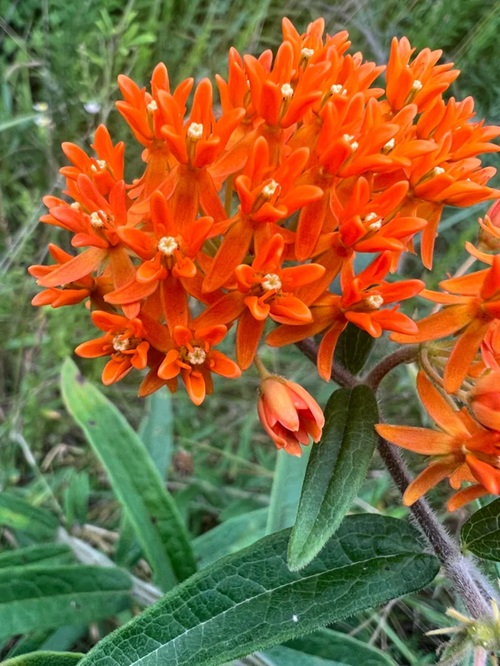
x,y
472,303
264,289
124,342
289,414
462,451
361,302
193,358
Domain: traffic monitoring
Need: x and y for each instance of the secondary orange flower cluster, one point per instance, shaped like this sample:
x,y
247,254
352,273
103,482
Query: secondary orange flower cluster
x,y
459,383
248,214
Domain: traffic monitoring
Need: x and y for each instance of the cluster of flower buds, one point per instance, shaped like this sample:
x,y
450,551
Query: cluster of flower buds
x,y
459,381
249,214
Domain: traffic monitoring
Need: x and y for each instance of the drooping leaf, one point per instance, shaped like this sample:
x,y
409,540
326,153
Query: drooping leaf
x,y
18,514
45,659
54,553
134,477
230,536
481,533
337,467
289,474
330,644
353,348
251,600
39,597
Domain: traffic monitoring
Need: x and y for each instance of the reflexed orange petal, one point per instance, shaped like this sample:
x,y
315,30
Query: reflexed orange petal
x,y
248,336
486,474
75,269
430,477
115,369
327,348
463,355
439,325
439,408
465,496
421,440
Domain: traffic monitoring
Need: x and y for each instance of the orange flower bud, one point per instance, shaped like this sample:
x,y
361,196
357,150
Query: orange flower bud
x,y
289,414
485,400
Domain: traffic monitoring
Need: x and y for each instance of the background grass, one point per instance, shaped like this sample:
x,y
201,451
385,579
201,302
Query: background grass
x,y
58,65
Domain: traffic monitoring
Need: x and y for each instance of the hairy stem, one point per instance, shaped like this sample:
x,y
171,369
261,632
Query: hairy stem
x,y
469,583
406,354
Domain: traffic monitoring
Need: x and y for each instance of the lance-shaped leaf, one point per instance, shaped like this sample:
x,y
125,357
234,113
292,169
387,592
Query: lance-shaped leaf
x,y
481,533
251,600
38,597
337,467
45,659
18,514
134,477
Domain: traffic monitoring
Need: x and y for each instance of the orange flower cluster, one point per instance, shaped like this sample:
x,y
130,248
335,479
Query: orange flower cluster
x,y
248,214
468,367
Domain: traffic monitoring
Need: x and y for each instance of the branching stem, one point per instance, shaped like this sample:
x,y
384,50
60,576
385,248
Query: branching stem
x,y
469,583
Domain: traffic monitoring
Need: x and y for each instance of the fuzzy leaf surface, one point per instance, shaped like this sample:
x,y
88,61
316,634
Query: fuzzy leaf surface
x,y
251,600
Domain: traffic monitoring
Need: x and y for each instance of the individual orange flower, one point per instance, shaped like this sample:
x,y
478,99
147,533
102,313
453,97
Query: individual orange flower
x,y
168,265
361,302
419,81
289,414
264,289
485,400
104,170
193,358
124,342
472,303
463,450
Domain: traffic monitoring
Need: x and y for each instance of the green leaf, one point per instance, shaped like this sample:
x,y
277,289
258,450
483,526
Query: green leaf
x,y
230,536
251,600
39,597
134,477
336,470
284,656
50,552
45,659
330,644
289,474
353,348
481,533
18,514
156,430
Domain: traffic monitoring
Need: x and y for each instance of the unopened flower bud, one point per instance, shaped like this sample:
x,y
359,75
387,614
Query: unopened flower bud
x,y
289,414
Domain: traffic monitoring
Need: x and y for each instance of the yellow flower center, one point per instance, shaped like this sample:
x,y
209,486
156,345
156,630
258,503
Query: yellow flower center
x,y
271,281
197,356
269,189
121,344
167,245
96,219
374,302
195,131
